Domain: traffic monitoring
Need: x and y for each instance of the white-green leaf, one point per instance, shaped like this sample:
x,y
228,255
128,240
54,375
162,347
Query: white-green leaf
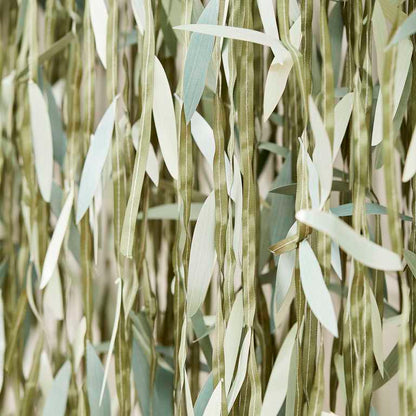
x,y
314,287
204,137
202,256
214,404
139,14
94,162
2,341
241,371
322,154
279,377
410,164
239,33
403,61
268,17
112,340
55,404
54,248
342,114
164,117
52,298
406,29
377,333
152,166
278,73
99,18
232,339
197,61
42,140
363,250
95,377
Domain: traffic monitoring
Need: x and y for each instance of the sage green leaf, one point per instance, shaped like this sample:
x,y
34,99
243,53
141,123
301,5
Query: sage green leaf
x,y
152,166
204,137
409,169
232,339
94,162
278,382
279,72
197,61
241,371
316,292
54,248
406,29
377,334
55,403
95,377
139,14
239,33
202,256
362,249
214,404
322,154
42,140
164,117
342,114
99,19
171,212
410,258
2,340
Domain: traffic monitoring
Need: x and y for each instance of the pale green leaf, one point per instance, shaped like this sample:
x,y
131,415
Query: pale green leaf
x,y
362,249
164,117
99,18
55,404
314,287
42,140
54,248
278,382
94,162
214,404
95,377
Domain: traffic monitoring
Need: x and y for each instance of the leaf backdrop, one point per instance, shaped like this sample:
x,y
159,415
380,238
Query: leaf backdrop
x,y
207,209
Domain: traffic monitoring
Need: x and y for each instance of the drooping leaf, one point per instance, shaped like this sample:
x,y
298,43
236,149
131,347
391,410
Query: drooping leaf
x,y
42,140
94,162
202,256
316,292
55,403
363,250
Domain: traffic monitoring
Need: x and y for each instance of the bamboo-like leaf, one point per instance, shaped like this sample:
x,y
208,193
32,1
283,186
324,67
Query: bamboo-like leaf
x,y
95,379
55,404
197,61
316,293
94,162
410,166
342,114
202,257
322,154
42,140
214,404
363,250
278,383
239,33
51,258
99,19
164,117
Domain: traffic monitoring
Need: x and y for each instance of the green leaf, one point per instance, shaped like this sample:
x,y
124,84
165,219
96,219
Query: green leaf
x,y
410,258
363,250
197,61
322,154
42,140
214,404
314,287
202,256
95,377
54,248
409,169
99,18
278,382
55,404
164,117
342,114
94,162
406,29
